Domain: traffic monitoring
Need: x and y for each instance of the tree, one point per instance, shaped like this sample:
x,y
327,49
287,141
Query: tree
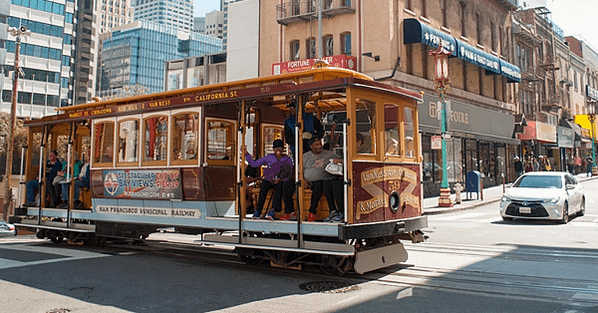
x,y
20,138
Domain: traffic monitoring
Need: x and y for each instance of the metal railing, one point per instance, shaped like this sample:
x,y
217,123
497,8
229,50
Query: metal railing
x,y
288,11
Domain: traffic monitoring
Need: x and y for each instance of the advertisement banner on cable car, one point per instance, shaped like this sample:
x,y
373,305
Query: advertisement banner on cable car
x,y
142,184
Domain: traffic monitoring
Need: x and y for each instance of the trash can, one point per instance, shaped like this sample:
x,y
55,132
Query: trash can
x,y
473,183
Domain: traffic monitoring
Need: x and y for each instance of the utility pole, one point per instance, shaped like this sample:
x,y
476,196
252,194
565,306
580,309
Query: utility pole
x,y
16,32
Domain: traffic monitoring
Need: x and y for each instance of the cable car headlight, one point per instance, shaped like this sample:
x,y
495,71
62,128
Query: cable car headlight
x,y
394,201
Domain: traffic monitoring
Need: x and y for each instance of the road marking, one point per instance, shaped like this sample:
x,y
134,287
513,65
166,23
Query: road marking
x,y
461,216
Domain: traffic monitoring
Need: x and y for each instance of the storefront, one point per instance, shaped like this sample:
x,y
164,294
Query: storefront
x,y
539,138
481,140
566,146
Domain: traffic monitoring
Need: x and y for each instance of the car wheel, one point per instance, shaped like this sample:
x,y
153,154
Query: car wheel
x,y
582,207
565,218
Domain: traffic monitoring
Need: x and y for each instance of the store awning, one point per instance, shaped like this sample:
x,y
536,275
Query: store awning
x,y
478,57
539,131
586,126
416,32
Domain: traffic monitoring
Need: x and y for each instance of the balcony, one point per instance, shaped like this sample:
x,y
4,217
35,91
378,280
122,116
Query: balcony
x,y
297,11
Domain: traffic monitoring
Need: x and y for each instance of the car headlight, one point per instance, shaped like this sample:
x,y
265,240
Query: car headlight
x,y
552,200
505,199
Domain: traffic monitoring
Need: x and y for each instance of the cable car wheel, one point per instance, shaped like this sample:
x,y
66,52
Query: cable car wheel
x,y
250,256
336,265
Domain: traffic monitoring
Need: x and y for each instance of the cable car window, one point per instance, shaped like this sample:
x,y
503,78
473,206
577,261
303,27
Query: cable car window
x,y
184,136
366,126
103,138
156,138
271,133
391,130
220,141
409,116
128,141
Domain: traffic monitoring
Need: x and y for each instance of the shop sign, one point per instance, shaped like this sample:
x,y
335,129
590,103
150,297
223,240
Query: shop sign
x,y
341,61
591,93
566,137
465,118
436,142
545,132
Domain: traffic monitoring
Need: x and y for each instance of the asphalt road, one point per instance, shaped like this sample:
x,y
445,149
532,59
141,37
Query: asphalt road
x,y
472,262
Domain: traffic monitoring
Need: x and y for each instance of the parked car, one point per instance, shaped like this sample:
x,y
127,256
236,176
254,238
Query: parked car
x,y
7,229
543,196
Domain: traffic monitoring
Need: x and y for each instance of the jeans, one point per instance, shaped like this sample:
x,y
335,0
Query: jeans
x,y
65,190
276,197
318,188
32,187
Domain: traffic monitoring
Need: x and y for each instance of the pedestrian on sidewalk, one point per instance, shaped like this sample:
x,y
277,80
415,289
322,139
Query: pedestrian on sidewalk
x,y
518,166
590,162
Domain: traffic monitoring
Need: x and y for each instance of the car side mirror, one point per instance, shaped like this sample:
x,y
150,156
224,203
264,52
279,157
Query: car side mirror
x,y
570,186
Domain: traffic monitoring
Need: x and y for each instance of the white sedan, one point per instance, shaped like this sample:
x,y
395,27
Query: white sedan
x,y
7,229
543,196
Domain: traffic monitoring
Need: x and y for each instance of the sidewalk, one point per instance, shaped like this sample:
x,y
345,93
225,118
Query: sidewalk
x,y
490,195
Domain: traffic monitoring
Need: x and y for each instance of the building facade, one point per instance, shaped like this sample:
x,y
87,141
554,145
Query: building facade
x,y
195,71
46,56
134,55
174,13
215,24
392,42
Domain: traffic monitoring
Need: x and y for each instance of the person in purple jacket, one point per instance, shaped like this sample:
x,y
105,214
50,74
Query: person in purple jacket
x,y
278,168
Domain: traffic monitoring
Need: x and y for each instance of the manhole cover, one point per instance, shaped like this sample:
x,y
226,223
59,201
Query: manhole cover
x,y
328,287
59,311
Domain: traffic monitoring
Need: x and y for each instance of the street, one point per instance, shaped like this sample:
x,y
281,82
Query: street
x,y
473,261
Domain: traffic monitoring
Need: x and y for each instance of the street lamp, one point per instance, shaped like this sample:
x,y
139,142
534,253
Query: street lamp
x,y
17,33
442,84
592,117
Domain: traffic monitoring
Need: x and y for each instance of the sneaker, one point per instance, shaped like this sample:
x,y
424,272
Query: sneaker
x,y
270,215
289,217
256,215
330,217
338,218
63,205
311,217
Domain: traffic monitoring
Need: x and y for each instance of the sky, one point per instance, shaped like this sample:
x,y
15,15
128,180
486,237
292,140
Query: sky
x,y
574,17
205,6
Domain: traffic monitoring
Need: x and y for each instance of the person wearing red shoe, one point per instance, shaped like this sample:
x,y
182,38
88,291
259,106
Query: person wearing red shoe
x,y
277,170
314,172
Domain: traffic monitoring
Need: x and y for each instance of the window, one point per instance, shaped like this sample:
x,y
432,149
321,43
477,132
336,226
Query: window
x,y
328,46
156,138
444,13
478,20
391,130
462,17
424,9
184,136
346,43
311,48
295,50
220,143
128,141
327,4
103,140
366,126
408,118
271,133
493,36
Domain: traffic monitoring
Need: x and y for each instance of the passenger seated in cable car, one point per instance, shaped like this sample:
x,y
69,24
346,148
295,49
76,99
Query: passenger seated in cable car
x,y
279,169
81,181
320,181
53,165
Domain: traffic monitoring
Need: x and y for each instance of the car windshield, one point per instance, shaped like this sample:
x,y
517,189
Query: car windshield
x,y
533,181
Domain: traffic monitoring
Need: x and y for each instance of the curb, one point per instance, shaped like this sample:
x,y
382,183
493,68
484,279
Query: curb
x,y
437,210
460,208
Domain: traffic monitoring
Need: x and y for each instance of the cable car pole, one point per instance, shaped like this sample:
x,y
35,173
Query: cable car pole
x,y
16,32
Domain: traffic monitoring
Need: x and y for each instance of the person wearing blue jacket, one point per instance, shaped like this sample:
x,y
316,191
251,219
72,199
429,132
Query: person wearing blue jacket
x,y
312,127
277,171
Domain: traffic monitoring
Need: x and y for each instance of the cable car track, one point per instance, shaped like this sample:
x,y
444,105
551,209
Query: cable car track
x,y
577,292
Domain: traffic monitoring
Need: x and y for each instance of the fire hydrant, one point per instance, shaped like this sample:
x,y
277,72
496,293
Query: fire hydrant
x,y
458,188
